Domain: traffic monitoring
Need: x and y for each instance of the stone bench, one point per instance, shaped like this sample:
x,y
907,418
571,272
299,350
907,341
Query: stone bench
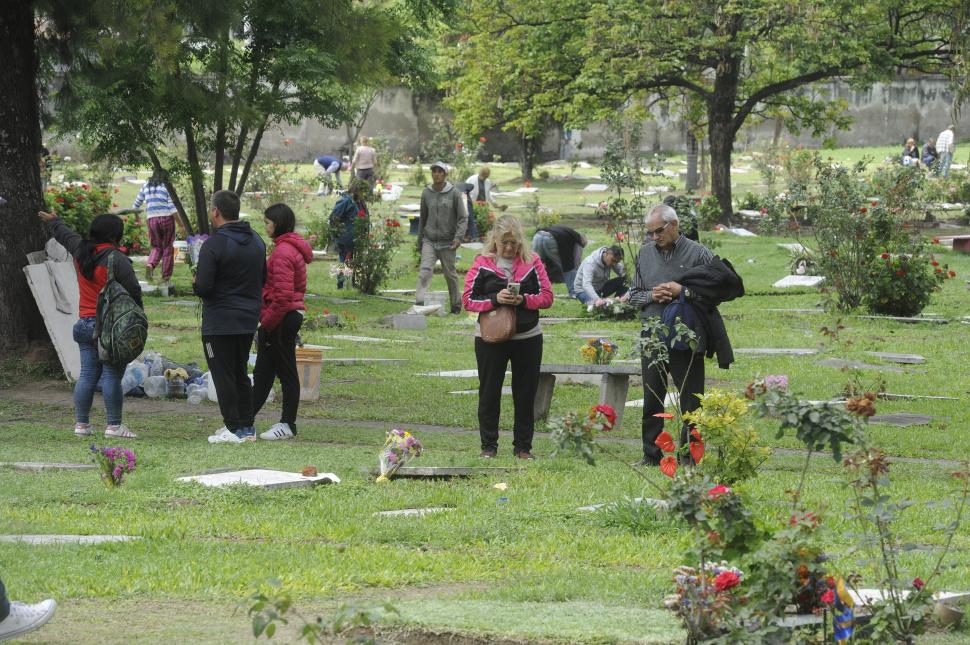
x,y
614,384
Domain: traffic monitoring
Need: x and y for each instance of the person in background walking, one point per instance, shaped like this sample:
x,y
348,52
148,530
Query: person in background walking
x,y
328,168
507,260
364,161
160,212
90,263
18,618
945,146
229,278
441,227
281,318
349,208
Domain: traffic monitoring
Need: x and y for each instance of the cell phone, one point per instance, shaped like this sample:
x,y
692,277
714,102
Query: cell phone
x,y
513,288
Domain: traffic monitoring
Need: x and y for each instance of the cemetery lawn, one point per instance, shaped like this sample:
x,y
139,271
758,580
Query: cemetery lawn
x,y
521,564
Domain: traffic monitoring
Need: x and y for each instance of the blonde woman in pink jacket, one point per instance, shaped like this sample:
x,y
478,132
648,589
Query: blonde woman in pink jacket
x,y
508,260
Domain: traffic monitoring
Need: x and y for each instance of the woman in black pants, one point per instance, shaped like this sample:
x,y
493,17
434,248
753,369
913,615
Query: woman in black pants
x,y
507,260
280,319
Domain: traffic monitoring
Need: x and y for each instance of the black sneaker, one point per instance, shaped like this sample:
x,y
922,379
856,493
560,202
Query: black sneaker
x,y
488,454
456,309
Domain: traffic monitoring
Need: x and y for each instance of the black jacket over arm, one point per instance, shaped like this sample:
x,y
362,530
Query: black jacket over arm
x,y
711,284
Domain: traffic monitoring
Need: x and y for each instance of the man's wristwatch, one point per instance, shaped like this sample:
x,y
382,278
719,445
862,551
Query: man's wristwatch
x,y
687,294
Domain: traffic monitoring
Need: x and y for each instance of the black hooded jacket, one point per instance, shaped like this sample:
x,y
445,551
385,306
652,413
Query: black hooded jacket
x,y
711,284
229,278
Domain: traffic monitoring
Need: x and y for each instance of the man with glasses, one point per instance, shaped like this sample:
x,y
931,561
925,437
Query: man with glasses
x,y
593,282
664,258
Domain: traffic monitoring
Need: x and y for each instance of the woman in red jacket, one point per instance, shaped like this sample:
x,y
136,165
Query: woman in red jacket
x,y
507,260
280,319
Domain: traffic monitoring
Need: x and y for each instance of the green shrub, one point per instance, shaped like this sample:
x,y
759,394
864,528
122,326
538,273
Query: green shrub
x,y
732,453
484,218
77,205
374,245
901,285
708,212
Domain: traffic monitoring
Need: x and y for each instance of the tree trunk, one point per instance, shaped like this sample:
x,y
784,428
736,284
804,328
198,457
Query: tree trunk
x,y
721,136
237,155
251,157
693,181
198,181
20,187
527,148
776,136
172,192
220,154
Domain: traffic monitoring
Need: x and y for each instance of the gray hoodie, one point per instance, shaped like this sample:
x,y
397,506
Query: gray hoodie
x,y
593,273
443,216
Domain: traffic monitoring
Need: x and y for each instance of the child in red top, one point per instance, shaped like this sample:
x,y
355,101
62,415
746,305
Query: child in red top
x,y
90,257
280,319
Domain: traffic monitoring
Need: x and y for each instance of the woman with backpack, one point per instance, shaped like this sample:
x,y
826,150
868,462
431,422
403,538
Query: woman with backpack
x,y
280,319
346,211
91,257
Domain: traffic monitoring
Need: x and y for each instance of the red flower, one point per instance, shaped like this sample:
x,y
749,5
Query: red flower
x,y
59,200
900,272
808,517
607,412
668,466
459,146
884,256
828,597
863,210
935,263
918,583
696,450
726,580
665,442
84,186
953,274
620,236
664,415
527,183
936,240
718,490
874,203
482,139
938,270
80,198
830,581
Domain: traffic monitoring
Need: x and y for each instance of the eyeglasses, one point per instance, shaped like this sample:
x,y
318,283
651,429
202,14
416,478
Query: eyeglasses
x,y
509,243
657,231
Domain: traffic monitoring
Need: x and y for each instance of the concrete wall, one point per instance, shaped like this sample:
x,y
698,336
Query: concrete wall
x,y
886,114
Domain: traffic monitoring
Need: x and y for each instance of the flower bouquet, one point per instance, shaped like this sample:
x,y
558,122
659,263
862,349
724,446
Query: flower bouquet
x,y
340,271
598,351
704,598
399,448
576,431
613,309
195,243
113,463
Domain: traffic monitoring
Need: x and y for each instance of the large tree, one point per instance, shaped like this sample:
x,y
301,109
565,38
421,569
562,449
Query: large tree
x,y
738,60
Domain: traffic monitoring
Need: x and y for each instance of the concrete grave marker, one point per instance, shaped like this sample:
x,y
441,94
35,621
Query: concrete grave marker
x,y
773,351
358,360
261,477
596,188
39,466
424,310
406,321
527,189
455,374
413,512
40,540
838,363
341,301
797,311
506,391
410,208
368,339
905,359
794,248
658,504
181,303
905,319
444,472
799,281
403,292
902,419
741,232
746,212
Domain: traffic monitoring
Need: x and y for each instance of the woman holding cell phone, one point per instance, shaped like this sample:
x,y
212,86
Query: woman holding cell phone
x,y
508,273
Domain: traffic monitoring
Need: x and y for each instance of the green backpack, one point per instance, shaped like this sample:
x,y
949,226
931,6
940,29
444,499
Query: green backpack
x,y
121,327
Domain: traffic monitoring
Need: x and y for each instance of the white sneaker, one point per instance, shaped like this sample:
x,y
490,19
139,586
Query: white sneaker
x,y
278,431
224,436
25,618
83,429
119,432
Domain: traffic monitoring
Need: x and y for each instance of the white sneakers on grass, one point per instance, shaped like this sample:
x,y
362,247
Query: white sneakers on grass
x,y
25,618
277,432
224,436
83,429
111,432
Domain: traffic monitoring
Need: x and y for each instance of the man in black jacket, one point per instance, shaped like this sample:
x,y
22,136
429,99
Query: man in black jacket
x,y
229,279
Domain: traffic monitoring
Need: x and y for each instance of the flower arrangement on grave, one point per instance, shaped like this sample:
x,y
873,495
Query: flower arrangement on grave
x,y
194,243
113,463
341,270
598,351
612,309
577,430
705,595
400,447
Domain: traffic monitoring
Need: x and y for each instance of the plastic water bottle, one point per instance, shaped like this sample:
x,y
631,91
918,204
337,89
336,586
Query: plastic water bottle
x,y
135,374
196,393
155,386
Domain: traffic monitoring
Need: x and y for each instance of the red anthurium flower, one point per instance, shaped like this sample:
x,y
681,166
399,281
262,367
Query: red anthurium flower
x,y
718,490
697,451
665,442
668,466
607,412
664,415
726,580
918,583
828,597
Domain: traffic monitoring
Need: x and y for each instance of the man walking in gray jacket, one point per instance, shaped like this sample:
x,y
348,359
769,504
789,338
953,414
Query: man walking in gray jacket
x,y
441,228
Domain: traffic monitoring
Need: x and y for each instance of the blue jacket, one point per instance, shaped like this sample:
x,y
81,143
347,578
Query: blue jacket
x,y
345,214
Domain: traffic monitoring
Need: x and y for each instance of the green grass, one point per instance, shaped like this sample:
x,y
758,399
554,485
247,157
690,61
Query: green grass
x,y
531,567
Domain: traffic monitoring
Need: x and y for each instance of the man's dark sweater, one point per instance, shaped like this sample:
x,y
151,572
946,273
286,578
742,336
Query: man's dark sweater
x,y
654,267
229,279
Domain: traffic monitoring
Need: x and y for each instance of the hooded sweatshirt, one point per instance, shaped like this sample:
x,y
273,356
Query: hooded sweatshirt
x,y
443,216
285,279
229,278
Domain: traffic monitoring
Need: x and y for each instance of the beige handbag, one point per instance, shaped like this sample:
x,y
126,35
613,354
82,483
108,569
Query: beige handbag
x,y
497,325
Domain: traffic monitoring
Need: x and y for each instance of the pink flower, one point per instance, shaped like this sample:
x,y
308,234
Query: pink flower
x,y
828,597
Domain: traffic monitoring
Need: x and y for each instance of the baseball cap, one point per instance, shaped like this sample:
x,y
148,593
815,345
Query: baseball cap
x,y
440,164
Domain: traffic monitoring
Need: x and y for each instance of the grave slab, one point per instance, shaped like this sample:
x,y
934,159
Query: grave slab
x,y
596,188
410,208
797,311
905,319
368,339
473,246
39,466
747,212
506,391
773,351
406,321
181,303
444,472
261,477
838,363
341,301
795,247
903,419
527,189
669,401
413,512
740,232
799,281
905,359
67,539
403,292
455,374
912,397
424,310
659,504
357,360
